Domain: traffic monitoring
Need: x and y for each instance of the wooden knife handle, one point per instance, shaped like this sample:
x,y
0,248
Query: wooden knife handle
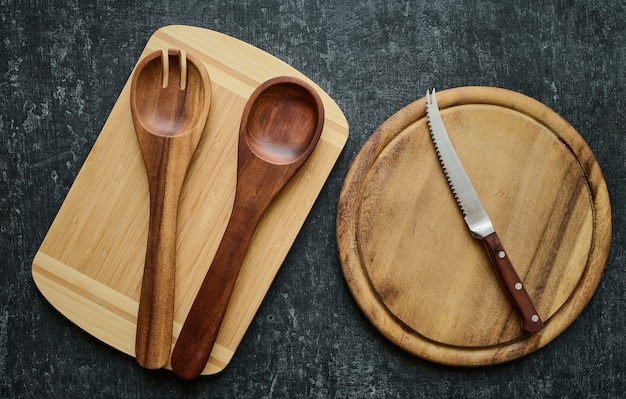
x,y
511,283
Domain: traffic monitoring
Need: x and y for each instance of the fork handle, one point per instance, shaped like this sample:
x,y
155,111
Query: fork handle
x,y
166,168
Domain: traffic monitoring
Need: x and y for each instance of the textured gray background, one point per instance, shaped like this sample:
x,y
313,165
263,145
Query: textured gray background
x,y
64,62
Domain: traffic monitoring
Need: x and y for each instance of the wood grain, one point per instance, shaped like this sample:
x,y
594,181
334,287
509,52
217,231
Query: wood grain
x,y
408,258
90,263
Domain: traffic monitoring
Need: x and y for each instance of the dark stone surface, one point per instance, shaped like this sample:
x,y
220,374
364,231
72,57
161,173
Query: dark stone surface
x,y
64,62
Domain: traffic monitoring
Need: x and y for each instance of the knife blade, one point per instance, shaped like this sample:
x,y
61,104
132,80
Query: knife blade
x,y
476,218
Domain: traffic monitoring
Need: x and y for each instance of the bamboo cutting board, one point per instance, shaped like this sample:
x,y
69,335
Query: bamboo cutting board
x,y
90,263
407,254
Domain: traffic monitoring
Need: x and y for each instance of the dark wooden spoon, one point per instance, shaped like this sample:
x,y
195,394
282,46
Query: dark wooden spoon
x,y
279,130
170,96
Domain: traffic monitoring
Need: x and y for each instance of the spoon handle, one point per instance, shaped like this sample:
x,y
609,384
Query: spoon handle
x,y
156,303
199,333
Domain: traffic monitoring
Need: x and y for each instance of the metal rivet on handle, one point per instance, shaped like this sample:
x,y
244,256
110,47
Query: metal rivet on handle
x,y
518,286
501,254
535,318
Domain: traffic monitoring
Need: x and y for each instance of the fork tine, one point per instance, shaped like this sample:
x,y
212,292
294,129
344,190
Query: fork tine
x,y
178,70
164,68
183,70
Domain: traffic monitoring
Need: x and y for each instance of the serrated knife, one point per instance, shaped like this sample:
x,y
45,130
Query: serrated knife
x,y
477,219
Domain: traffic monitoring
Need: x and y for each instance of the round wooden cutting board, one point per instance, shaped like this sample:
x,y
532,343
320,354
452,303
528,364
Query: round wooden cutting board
x,y
411,263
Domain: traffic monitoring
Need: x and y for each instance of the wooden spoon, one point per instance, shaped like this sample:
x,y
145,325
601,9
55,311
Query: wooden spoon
x,y
170,97
280,127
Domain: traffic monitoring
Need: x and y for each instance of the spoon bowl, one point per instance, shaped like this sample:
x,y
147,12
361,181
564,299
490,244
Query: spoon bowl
x,y
169,100
269,129
280,127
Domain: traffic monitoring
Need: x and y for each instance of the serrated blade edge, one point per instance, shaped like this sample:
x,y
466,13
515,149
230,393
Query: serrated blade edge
x,y
459,182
